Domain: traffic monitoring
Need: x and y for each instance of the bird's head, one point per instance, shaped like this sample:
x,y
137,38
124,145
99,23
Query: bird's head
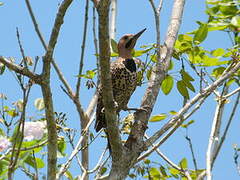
x,y
127,43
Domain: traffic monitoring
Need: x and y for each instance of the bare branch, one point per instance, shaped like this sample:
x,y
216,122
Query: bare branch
x,y
47,94
21,70
215,154
106,82
112,29
83,49
76,150
158,74
214,135
21,50
35,24
193,101
232,93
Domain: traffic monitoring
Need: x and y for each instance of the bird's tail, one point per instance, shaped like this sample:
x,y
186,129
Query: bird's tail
x,y
101,121
100,116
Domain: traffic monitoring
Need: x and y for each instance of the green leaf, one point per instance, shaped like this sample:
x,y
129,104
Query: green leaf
x,y
149,72
184,37
182,89
186,76
230,81
212,2
35,162
218,72
209,61
138,53
30,144
132,175
236,21
4,163
1,3
201,34
103,170
2,68
113,54
154,173
153,58
173,112
147,161
61,147
189,85
187,124
218,52
114,46
174,172
2,133
171,65
68,175
228,9
89,74
167,84
163,171
12,113
158,117
183,163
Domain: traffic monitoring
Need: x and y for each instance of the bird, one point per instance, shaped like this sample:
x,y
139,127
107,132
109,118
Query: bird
x,y
124,78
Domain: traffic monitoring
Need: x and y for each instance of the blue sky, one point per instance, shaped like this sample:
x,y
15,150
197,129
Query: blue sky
x,y
133,16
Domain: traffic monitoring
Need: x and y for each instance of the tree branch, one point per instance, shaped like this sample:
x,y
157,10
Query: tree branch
x,y
141,118
205,92
112,29
226,129
83,48
214,135
106,83
21,70
47,94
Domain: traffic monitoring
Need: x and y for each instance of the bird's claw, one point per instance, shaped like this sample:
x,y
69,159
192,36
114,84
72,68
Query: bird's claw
x,y
145,109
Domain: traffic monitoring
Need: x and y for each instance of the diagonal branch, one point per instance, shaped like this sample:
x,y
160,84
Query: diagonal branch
x,y
158,74
205,92
21,70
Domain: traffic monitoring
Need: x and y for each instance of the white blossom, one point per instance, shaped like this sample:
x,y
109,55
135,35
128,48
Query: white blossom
x,y
34,130
4,143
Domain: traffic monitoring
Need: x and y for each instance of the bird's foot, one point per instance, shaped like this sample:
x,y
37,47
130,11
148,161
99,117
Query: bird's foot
x,y
145,109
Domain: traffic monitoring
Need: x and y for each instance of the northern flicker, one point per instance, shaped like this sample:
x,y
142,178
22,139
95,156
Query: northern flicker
x,y
124,78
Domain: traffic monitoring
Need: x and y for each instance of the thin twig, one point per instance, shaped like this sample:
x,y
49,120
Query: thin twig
x,y
83,49
226,129
35,24
35,166
164,157
192,153
20,132
215,131
191,102
21,50
232,93
99,162
113,17
76,150
46,91
21,70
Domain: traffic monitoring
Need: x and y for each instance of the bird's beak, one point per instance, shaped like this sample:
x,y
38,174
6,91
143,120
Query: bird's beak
x,y
136,36
131,43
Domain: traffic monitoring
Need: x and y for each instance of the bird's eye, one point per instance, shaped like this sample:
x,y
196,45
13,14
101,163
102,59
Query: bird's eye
x,y
125,37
